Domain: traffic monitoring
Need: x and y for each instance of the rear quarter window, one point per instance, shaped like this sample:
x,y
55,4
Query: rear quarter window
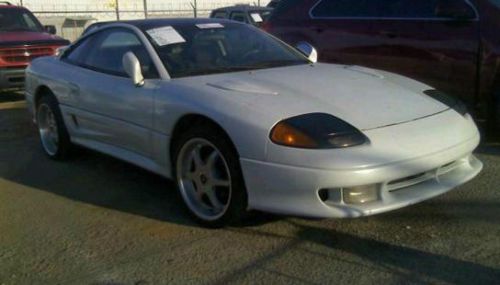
x,y
495,2
284,7
219,15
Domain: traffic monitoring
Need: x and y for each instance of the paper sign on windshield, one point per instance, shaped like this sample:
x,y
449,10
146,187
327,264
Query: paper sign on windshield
x,y
210,26
256,17
166,36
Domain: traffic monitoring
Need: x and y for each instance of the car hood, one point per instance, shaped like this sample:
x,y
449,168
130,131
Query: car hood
x,y
29,38
365,98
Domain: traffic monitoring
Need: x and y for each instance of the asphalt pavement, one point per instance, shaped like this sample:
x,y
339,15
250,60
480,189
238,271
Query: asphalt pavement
x,y
96,220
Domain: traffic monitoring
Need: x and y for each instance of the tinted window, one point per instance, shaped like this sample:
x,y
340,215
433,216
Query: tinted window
x,y
284,6
346,8
78,54
219,15
273,4
382,8
228,48
495,2
238,16
104,52
18,20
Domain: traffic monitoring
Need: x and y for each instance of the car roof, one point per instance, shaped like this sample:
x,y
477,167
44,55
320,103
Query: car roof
x,y
155,23
243,8
4,5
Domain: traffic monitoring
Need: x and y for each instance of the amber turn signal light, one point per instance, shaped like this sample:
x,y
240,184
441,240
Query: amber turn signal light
x,y
287,135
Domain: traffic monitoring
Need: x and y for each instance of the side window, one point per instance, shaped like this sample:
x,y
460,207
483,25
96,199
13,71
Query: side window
x,y
345,8
238,16
400,8
29,22
104,52
79,53
219,15
454,9
495,2
390,9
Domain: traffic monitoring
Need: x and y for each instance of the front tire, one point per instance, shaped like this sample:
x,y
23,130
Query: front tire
x,y
54,136
209,178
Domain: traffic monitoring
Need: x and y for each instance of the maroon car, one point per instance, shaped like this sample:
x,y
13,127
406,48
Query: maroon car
x,y
22,38
453,45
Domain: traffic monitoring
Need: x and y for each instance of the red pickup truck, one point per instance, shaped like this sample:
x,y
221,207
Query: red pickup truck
x,y
453,45
22,39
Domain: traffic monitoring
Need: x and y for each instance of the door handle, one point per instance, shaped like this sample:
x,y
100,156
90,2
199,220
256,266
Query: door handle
x,y
388,34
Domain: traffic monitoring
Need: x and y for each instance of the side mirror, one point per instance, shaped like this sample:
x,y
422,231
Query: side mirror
x,y
50,29
132,67
455,9
308,50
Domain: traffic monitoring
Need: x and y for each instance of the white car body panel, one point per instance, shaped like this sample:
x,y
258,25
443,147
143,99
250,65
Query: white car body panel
x,y
409,132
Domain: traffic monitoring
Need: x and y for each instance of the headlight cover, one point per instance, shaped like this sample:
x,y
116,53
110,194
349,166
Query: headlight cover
x,y
449,101
316,131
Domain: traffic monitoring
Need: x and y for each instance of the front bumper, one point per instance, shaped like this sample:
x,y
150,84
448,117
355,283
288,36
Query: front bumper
x,y
295,190
11,78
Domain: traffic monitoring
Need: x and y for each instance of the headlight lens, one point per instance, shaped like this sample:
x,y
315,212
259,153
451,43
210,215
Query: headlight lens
x,y
449,101
316,131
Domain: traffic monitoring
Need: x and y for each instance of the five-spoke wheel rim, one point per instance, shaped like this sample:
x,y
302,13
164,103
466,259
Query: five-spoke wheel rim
x,y
47,127
204,179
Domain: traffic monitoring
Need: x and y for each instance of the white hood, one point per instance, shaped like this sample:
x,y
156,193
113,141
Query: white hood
x,y
363,97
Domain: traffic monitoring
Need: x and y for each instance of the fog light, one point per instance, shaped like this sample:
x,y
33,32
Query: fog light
x,y
360,195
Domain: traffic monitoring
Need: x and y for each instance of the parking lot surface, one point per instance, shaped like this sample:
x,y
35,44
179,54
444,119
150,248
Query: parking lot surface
x,y
97,220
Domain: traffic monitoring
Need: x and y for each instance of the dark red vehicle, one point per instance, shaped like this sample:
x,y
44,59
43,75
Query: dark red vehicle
x,y
452,45
22,39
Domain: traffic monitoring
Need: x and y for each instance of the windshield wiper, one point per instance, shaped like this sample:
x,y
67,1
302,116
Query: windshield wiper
x,y
236,68
279,63
220,69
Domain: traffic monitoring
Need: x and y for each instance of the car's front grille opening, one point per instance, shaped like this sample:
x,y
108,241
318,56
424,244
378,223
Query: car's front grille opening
x,y
333,195
448,167
405,182
448,164
16,79
323,194
408,178
24,55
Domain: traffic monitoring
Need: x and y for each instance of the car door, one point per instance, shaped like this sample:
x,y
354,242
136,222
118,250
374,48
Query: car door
x,y
108,109
433,41
339,32
420,39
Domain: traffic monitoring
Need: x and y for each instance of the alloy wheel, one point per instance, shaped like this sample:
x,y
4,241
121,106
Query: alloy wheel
x,y
204,179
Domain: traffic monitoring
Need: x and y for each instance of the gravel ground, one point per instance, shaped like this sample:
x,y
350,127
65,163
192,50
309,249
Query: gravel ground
x,y
96,220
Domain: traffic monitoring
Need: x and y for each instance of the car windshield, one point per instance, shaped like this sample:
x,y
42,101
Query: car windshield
x,y
189,50
18,20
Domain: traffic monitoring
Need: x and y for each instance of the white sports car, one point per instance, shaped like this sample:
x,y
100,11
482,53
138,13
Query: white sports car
x,y
242,121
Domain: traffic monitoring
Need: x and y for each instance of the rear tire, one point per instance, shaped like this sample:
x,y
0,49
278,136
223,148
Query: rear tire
x,y
209,178
54,136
